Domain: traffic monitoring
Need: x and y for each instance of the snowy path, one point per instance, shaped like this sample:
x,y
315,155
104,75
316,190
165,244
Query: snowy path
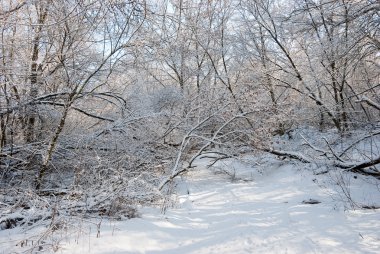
x,y
261,216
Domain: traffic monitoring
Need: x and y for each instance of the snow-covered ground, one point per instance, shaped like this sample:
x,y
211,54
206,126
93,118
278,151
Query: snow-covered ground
x,y
254,207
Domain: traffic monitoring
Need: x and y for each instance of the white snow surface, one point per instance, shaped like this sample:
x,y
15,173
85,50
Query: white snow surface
x,y
256,207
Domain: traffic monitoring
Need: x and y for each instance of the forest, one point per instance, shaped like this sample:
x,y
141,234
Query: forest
x,y
104,104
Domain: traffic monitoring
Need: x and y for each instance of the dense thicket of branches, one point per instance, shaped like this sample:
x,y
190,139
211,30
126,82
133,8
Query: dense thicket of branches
x,y
109,96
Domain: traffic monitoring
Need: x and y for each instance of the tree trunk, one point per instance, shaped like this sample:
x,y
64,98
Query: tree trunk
x,y
31,111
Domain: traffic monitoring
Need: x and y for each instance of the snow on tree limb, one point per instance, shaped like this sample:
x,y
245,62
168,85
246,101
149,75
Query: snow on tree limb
x,y
359,165
351,166
289,154
369,102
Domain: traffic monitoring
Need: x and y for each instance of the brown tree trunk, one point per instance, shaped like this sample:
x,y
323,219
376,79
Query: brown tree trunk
x,y
31,111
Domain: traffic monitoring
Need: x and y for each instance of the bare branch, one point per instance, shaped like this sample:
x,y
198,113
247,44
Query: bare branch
x,y
369,102
289,154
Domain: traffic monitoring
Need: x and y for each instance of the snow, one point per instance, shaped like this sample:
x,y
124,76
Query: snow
x,y
250,206
249,212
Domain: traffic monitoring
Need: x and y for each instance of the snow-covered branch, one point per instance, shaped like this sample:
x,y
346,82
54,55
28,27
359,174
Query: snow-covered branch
x,y
370,102
289,154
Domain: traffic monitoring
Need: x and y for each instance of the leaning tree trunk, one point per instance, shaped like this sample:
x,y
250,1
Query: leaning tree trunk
x,y
53,141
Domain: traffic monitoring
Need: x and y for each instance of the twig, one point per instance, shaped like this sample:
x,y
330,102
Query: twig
x,y
332,151
314,147
358,141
